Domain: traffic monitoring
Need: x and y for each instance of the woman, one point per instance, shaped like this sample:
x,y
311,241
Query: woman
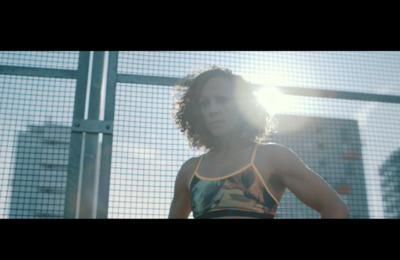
x,y
238,177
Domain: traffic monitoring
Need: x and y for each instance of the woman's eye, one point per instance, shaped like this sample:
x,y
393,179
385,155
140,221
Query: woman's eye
x,y
203,102
223,99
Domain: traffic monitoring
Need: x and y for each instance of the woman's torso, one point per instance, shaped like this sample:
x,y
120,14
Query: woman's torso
x,y
218,191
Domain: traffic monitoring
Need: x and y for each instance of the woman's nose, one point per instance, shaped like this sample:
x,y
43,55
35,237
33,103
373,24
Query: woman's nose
x,y
213,108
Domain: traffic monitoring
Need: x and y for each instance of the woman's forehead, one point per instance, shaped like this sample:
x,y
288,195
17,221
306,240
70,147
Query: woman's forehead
x,y
216,86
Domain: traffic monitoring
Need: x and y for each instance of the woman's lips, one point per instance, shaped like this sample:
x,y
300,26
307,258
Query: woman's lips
x,y
216,122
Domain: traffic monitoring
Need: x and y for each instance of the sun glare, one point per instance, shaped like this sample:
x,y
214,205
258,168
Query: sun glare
x,y
273,100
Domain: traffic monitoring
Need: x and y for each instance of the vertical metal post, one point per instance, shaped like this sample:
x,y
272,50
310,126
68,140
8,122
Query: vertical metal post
x,y
91,139
75,151
87,207
106,149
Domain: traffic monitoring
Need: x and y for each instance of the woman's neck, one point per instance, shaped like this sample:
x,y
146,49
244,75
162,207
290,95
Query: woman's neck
x,y
228,144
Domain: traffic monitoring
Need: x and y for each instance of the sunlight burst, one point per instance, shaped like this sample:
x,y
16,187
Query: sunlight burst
x,y
273,100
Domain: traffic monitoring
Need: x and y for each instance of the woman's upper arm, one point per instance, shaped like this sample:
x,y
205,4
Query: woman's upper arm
x,y
307,185
180,205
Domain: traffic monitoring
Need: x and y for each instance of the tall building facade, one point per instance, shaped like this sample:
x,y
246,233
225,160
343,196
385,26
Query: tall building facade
x,y
39,180
332,148
390,183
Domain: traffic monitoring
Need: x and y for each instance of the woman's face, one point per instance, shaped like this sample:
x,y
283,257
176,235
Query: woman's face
x,y
218,106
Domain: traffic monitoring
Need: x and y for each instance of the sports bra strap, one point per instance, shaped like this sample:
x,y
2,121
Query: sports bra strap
x,y
253,156
198,164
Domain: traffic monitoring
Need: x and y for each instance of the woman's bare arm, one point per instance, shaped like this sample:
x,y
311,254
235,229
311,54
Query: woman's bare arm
x,y
308,186
180,205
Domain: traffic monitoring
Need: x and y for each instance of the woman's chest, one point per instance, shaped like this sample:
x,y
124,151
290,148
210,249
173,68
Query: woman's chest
x,y
217,168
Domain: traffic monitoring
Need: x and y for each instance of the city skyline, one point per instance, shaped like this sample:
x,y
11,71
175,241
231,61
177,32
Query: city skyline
x,y
315,143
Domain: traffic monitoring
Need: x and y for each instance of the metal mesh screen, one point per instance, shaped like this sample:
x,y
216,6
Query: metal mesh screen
x,y
147,152
337,110
348,142
35,118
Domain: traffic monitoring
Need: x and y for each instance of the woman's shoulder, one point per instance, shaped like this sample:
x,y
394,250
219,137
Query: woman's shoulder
x,y
189,166
191,163
272,147
278,155
275,151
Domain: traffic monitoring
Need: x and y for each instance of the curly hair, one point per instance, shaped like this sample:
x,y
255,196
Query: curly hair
x,y
256,125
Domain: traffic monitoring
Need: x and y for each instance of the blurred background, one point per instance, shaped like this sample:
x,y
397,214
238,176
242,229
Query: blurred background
x,y
90,134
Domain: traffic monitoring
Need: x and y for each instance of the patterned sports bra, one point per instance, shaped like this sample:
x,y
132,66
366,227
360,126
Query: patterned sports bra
x,y
242,193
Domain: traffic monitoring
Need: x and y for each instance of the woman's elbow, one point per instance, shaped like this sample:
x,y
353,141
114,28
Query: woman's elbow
x,y
336,210
343,212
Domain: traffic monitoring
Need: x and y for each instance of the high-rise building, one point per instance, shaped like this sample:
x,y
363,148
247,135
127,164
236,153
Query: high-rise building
x,y
332,148
39,180
390,182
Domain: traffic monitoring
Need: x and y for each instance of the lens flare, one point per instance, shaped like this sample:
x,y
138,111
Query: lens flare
x,y
272,100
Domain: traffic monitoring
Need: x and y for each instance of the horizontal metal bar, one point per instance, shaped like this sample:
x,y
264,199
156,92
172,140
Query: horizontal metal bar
x,y
339,94
147,80
306,92
92,126
38,72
